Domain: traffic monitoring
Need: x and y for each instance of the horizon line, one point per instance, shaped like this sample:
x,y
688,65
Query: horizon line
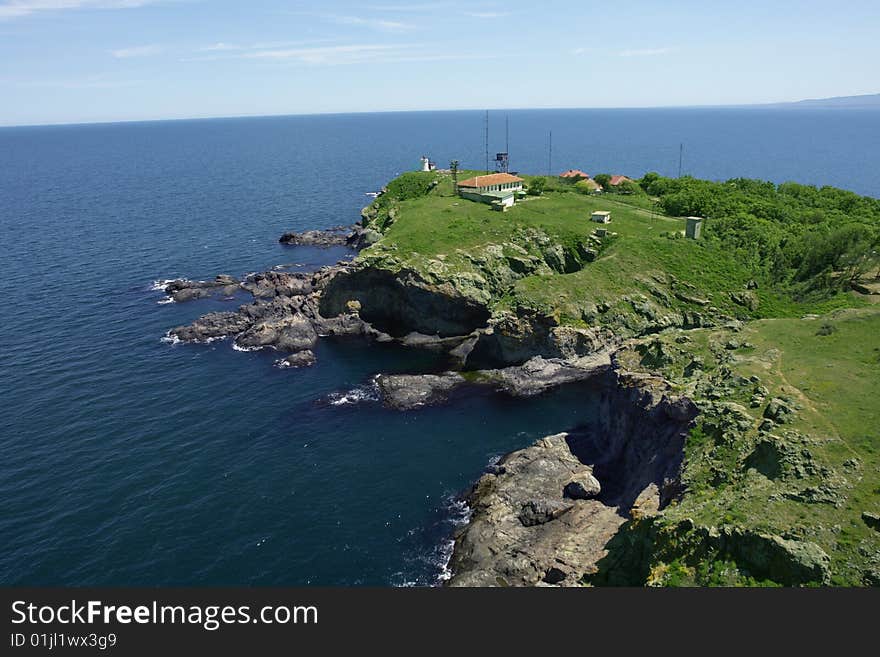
x,y
788,104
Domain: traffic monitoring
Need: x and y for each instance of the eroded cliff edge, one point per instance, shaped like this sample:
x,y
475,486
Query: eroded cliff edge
x,y
545,514
757,487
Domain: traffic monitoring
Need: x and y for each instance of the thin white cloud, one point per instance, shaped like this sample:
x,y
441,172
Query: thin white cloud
x,y
221,47
355,54
138,51
644,52
92,82
487,14
375,23
18,8
409,8
401,58
222,50
323,55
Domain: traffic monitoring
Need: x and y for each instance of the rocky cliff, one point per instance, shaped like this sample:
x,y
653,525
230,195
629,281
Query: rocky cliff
x,y
659,489
545,514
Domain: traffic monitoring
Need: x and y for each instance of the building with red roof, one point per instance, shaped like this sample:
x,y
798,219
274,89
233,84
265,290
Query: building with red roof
x,y
497,189
574,173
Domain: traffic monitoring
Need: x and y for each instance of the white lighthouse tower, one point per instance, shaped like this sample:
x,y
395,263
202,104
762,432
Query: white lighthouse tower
x,y
426,163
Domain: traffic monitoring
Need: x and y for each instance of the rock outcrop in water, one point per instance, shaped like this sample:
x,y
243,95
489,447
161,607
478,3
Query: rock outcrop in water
x,y
524,530
285,315
355,237
182,289
336,236
408,391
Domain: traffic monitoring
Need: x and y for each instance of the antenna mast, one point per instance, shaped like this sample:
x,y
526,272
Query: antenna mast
x,y
550,156
507,138
487,142
680,152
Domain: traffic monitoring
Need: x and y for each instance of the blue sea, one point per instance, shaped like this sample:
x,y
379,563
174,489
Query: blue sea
x,y
125,460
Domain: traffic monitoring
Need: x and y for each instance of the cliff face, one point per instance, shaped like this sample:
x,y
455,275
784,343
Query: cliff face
x,y
440,300
401,302
545,514
652,492
591,508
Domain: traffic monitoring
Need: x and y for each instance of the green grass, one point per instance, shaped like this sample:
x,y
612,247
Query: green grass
x,y
437,224
834,380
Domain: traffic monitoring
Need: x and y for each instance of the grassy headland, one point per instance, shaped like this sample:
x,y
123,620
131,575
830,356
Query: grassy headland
x,y
644,268
758,322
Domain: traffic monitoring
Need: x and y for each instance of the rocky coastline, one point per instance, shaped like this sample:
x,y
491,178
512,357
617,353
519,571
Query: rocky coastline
x,y
578,507
544,515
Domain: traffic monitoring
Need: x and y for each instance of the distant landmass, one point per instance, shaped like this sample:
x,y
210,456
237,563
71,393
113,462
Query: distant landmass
x,y
866,101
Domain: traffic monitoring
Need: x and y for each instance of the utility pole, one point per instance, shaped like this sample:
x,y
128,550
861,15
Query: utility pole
x,y
487,142
550,156
453,165
680,152
507,141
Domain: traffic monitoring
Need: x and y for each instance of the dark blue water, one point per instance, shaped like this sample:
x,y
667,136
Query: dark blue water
x,y
126,460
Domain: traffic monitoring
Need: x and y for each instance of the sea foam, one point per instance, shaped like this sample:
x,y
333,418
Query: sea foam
x,y
369,392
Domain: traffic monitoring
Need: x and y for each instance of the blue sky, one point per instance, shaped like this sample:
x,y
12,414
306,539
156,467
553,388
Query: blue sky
x,y
67,61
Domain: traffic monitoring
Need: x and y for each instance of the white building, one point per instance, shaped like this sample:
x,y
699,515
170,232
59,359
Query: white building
x,y
601,217
496,189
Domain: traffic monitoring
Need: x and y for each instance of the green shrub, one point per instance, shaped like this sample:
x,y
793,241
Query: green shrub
x,y
536,186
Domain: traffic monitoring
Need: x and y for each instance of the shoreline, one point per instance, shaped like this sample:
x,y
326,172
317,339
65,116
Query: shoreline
x,y
618,520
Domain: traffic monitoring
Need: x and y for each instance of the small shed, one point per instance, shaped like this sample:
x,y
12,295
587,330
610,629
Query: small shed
x,y
601,217
694,227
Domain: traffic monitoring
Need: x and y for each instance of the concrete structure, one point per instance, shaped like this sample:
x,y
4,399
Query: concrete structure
x,y
601,217
497,189
694,227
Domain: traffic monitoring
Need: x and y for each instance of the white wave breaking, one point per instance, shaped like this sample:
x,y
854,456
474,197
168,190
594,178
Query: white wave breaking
x,y
170,339
369,392
238,347
174,340
459,515
160,284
